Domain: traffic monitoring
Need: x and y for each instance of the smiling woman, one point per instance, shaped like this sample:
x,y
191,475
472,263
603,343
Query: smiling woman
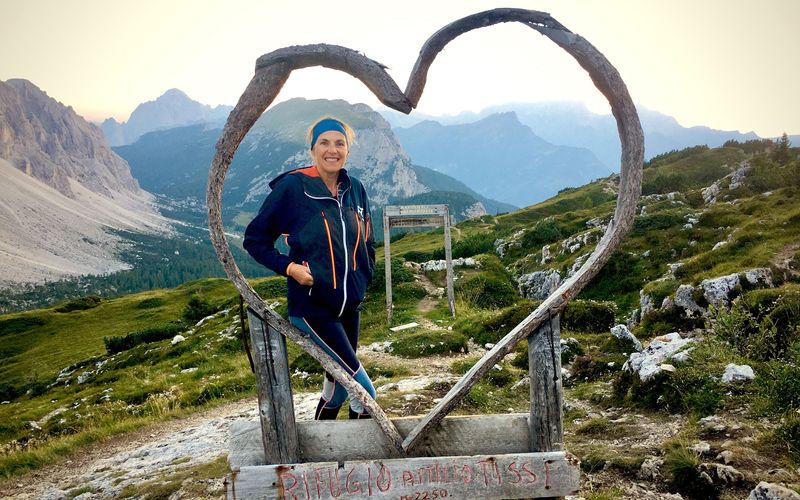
x,y
325,216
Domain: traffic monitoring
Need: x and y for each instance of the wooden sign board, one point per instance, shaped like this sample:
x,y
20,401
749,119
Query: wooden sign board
x,y
522,475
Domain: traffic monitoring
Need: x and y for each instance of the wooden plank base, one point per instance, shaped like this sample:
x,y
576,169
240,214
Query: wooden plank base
x,y
342,440
521,475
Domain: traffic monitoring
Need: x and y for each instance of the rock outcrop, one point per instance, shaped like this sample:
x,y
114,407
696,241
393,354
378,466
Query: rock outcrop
x,y
50,142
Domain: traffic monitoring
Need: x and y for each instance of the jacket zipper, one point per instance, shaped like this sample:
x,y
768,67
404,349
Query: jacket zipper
x,y
344,242
358,239
330,247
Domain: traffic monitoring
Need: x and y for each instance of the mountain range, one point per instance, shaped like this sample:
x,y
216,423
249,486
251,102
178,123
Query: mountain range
x,y
65,194
172,109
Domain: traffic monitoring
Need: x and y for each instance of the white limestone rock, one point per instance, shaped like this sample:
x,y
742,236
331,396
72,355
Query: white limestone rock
x,y
647,363
685,300
760,276
738,373
177,339
621,332
772,491
717,291
539,285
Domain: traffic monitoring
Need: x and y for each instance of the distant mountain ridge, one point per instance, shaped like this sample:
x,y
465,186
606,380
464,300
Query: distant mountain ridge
x,y
175,162
570,123
500,158
172,109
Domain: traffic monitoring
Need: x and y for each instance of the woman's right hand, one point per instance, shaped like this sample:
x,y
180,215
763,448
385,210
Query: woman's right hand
x,y
301,274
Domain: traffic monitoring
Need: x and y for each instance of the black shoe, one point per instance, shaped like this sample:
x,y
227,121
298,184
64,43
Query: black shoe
x,y
326,413
358,416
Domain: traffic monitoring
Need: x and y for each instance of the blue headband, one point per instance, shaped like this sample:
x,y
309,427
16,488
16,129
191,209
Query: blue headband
x,y
326,125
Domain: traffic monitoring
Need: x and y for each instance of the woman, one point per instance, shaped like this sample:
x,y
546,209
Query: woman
x,y
324,214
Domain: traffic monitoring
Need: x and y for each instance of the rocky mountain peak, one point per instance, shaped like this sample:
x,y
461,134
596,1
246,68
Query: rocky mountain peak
x,y
49,141
171,109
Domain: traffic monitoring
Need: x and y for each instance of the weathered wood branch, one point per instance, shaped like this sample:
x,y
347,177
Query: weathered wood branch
x,y
437,41
607,80
372,73
262,90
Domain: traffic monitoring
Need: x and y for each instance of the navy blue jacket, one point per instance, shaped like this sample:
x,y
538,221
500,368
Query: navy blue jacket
x,y
332,236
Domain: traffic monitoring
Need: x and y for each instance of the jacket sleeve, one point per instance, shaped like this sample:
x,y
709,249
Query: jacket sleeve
x,y
272,221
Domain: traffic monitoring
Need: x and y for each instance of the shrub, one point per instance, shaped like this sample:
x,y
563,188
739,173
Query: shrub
x,y
473,245
150,303
673,319
400,274
9,392
197,309
588,316
131,340
305,363
779,385
497,326
486,291
546,231
272,288
427,343
681,466
499,378
788,434
83,303
655,222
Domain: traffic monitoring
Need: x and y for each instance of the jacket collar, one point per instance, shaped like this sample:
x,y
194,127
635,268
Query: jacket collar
x,y
313,183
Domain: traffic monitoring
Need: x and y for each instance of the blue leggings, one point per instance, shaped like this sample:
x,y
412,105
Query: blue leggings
x,y
339,338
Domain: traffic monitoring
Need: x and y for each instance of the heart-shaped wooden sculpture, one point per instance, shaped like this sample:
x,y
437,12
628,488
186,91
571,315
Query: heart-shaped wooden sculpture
x,y
272,71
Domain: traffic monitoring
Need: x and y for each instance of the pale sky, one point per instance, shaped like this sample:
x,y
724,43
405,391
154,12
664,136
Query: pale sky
x,y
727,64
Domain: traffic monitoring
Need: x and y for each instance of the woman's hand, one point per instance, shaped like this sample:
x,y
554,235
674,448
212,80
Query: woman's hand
x,y
300,274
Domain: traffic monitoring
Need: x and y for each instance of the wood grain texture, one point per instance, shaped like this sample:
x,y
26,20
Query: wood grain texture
x,y
523,475
325,441
544,366
274,389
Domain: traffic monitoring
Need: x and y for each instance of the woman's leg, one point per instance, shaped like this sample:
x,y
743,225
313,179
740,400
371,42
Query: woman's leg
x,y
330,335
350,323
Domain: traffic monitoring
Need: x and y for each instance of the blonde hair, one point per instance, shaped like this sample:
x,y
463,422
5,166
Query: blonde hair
x,y
350,134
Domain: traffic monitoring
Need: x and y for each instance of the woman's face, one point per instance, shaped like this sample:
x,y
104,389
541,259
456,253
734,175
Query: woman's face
x,y
330,152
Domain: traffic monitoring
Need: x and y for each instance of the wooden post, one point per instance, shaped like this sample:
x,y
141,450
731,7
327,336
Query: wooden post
x,y
544,365
387,264
274,387
448,256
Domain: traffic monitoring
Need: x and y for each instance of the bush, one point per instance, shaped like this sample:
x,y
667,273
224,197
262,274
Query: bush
x,y
197,309
681,466
497,326
272,288
788,434
779,385
673,319
546,231
400,274
83,303
131,340
486,291
427,343
150,303
305,363
588,316
473,245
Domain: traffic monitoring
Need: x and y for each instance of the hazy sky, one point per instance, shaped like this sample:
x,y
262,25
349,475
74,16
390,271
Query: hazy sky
x,y
728,64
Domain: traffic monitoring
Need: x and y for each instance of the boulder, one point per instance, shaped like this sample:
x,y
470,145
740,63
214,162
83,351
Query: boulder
x,y
546,256
539,285
177,339
760,276
717,291
685,300
621,332
651,469
771,491
648,363
710,193
645,304
738,373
